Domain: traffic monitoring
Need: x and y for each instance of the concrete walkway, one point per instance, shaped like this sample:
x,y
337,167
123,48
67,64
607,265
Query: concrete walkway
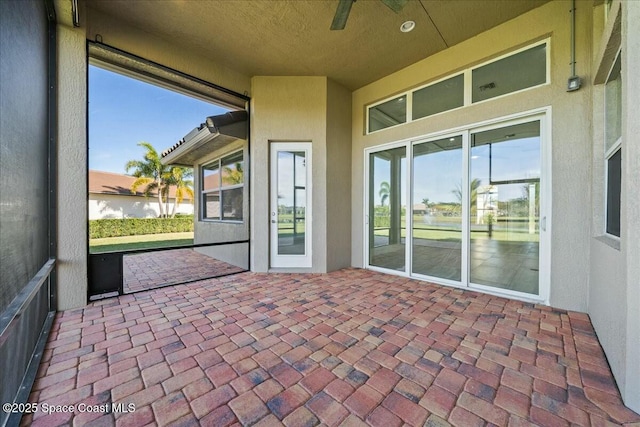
x,y
349,348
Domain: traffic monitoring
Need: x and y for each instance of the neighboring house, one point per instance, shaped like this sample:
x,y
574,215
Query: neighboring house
x,y
110,196
480,91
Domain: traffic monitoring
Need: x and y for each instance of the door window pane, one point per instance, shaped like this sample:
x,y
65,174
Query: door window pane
x,y
388,114
291,184
437,208
504,209
387,209
516,72
439,97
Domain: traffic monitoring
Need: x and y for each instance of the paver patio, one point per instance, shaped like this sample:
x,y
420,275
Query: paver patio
x,y
150,270
353,347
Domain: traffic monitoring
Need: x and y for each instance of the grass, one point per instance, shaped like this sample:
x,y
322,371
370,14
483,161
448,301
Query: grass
x,y
145,241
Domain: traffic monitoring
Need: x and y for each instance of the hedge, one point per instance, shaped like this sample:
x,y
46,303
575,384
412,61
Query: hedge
x,y
99,228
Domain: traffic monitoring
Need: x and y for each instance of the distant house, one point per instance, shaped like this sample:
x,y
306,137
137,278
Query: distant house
x,y
110,196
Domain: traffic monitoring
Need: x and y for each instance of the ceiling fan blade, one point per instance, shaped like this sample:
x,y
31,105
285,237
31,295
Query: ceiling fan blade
x,y
342,14
395,5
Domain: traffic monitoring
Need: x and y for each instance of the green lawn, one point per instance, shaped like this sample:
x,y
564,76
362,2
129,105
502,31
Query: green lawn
x,y
145,241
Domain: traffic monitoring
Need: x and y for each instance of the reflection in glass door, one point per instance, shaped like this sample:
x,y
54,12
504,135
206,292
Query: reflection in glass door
x,y
387,208
437,208
290,197
505,207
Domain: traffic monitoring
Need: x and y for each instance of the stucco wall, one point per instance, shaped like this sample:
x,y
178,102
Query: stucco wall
x,y
614,295
571,166
287,109
112,206
72,158
630,200
338,203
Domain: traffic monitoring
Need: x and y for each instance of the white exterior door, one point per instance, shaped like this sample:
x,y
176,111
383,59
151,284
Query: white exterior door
x,y
290,215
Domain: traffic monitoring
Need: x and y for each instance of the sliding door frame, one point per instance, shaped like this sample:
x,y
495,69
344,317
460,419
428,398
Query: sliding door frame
x,y
544,116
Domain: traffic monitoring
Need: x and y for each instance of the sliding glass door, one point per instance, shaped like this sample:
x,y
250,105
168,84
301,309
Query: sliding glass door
x,y
437,208
465,210
505,207
387,209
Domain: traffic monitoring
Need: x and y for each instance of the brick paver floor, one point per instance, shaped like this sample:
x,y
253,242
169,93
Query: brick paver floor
x,y
154,269
349,348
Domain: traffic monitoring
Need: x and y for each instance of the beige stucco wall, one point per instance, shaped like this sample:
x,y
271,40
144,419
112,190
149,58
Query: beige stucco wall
x,y
72,176
614,295
304,109
571,156
338,203
287,109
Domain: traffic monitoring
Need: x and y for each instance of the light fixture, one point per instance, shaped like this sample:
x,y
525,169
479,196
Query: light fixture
x,y
574,83
407,26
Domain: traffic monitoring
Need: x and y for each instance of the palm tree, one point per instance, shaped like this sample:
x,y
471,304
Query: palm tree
x,y
150,173
385,189
178,177
233,175
473,193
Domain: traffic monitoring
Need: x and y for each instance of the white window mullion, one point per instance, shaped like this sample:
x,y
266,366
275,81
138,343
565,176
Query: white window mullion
x,y
466,229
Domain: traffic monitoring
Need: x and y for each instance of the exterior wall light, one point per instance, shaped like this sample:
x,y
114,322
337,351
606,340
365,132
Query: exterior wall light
x,y
574,83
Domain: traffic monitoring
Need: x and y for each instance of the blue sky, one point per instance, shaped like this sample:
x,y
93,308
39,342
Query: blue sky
x,y
124,111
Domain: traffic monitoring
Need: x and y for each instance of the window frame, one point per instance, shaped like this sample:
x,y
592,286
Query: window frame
x,y
615,148
467,87
220,188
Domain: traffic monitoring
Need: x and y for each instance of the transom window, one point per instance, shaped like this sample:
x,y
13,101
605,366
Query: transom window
x,y
520,70
222,183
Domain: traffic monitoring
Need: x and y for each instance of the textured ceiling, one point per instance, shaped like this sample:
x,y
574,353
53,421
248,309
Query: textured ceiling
x,y
292,37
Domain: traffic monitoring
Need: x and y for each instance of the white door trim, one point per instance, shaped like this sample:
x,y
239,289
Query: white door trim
x,y
290,261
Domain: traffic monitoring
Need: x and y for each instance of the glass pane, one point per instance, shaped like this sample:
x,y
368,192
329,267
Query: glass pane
x,y
505,207
211,205
232,204
614,184
613,106
232,171
437,208
439,97
291,202
387,209
211,176
388,114
510,74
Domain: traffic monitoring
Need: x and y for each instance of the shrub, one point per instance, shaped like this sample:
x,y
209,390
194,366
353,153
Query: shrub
x,y
100,228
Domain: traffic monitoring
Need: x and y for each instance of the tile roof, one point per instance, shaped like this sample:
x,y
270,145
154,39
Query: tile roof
x,y
101,182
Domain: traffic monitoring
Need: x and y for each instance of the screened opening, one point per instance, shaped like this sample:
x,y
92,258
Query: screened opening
x,y
144,208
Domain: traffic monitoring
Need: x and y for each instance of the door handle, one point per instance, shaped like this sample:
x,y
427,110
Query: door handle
x,y
544,223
